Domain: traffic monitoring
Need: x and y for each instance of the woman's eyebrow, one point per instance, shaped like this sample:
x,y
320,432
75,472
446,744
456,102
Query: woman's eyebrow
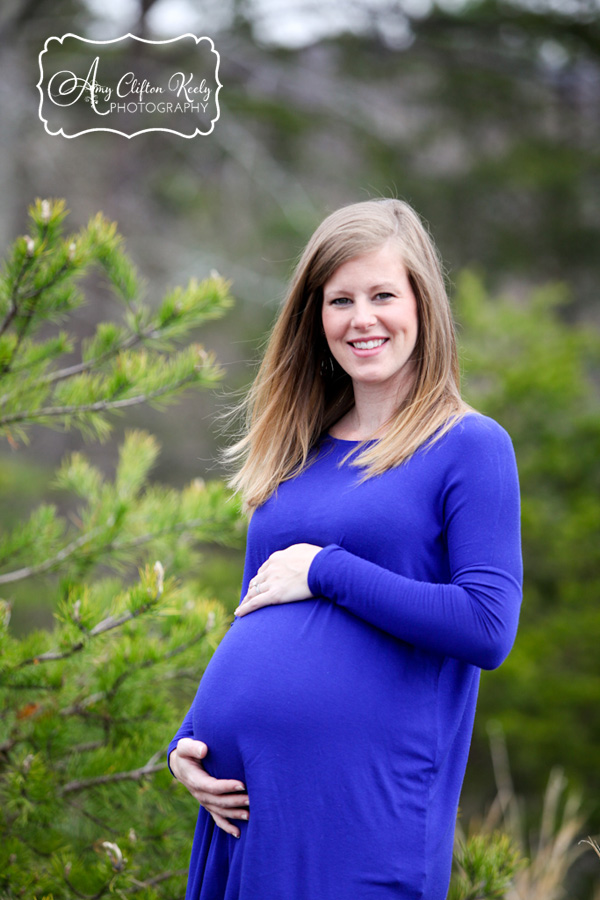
x,y
384,286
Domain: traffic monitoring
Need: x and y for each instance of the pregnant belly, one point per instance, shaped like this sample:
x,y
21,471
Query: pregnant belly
x,y
309,679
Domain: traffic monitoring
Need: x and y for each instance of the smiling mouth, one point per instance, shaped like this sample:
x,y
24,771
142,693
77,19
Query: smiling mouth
x,y
368,345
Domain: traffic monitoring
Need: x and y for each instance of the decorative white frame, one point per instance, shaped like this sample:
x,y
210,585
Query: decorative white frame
x,y
144,41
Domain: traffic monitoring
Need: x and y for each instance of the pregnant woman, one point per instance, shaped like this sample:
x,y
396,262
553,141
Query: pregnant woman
x,y
328,739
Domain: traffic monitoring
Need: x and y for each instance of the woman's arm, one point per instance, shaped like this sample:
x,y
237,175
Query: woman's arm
x,y
474,617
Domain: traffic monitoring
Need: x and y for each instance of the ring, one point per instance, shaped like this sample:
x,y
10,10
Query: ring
x,y
258,587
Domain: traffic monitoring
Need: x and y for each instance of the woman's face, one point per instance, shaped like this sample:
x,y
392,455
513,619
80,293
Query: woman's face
x,y
370,319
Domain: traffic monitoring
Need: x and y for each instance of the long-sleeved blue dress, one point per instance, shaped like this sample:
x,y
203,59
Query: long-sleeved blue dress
x,y
349,716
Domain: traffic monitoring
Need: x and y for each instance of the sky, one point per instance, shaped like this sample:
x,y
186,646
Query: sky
x,y
276,21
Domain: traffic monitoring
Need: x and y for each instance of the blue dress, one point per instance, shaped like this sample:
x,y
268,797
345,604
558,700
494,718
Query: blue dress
x,y
349,716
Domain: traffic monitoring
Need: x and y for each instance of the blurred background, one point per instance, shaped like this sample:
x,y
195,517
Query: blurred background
x,y
485,116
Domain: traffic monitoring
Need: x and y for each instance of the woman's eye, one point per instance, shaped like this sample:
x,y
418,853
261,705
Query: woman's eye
x,y
340,301
383,295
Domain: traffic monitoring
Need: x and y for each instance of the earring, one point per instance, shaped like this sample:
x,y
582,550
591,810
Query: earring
x,y
327,368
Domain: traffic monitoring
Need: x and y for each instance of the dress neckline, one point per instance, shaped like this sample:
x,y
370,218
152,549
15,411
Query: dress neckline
x,y
345,441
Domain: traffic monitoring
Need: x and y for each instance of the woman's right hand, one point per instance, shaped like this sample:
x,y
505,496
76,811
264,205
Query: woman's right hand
x,y
223,798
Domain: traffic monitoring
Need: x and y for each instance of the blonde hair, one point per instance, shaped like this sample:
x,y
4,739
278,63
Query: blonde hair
x,y
293,401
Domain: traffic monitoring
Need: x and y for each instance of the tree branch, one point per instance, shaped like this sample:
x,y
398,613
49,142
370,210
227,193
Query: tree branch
x,y
83,784
88,815
48,564
148,663
189,524
126,344
68,372
99,406
85,748
33,295
14,306
77,369
70,549
29,314
105,625
80,705
140,885
77,893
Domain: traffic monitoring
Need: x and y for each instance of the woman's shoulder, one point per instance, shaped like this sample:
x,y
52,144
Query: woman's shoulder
x,y
475,432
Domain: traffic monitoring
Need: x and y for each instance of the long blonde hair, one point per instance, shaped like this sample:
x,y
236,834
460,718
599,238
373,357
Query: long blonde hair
x,y
296,396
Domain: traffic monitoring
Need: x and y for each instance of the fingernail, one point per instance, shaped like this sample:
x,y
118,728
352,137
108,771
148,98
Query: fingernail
x,y
240,787
233,834
244,815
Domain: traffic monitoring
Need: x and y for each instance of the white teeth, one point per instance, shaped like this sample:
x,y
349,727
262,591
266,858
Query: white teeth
x,y
368,345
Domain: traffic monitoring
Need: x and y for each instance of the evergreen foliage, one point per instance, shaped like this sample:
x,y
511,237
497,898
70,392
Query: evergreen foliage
x,y
485,867
535,373
87,709
122,365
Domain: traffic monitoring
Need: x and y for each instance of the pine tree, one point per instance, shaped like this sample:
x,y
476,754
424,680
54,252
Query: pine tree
x,y
485,867
87,807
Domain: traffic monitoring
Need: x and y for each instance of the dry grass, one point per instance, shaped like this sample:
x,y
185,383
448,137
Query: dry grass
x,y
553,850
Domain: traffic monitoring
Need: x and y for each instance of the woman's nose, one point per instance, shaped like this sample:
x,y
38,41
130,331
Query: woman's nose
x,y
363,315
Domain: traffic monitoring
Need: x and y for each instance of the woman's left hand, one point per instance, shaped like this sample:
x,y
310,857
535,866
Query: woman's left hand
x,y
283,578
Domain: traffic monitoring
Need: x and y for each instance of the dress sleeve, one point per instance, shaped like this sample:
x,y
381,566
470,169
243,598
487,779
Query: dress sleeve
x,y
186,729
474,617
